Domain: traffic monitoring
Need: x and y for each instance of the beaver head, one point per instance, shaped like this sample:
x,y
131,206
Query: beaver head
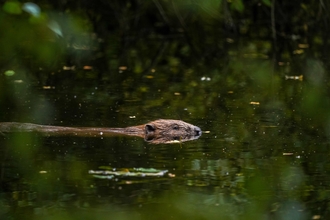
x,y
170,131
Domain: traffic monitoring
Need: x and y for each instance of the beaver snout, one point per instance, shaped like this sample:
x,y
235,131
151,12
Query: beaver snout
x,y
198,131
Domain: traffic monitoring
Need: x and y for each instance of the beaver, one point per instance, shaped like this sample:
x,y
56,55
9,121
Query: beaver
x,y
161,131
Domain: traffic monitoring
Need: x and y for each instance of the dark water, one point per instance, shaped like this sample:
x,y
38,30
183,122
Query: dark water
x,y
255,160
251,74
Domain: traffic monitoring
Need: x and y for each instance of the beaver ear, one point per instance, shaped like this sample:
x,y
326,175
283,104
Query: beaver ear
x,y
149,128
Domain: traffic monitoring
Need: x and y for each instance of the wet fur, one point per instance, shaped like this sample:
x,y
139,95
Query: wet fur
x,y
159,131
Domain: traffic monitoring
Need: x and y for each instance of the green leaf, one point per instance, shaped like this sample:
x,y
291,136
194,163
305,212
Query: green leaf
x,y
267,2
237,5
9,72
12,7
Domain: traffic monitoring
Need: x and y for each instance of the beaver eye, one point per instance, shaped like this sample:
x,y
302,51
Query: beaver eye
x,y
176,138
176,127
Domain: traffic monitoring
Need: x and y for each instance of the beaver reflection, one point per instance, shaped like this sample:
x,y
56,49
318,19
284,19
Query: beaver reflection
x,y
162,131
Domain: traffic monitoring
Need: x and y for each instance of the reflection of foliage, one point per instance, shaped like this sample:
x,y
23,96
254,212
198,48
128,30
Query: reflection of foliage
x,y
177,32
158,53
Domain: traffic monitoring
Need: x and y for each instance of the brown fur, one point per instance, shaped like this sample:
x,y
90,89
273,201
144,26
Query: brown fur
x,y
159,131
170,131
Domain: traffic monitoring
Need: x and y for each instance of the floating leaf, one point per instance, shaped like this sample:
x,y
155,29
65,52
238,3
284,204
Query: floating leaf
x,y
133,172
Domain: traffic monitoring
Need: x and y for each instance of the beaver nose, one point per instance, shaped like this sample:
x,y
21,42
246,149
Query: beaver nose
x,y
198,131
